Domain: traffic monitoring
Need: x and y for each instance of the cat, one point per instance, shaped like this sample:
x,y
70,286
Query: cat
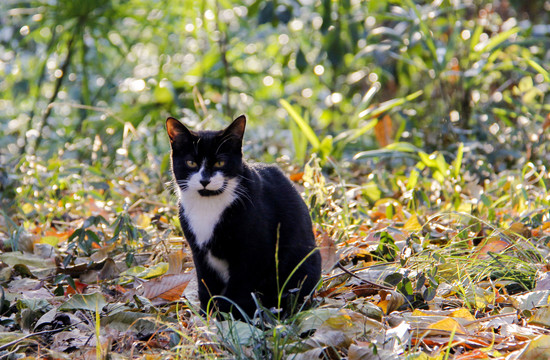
x,y
247,226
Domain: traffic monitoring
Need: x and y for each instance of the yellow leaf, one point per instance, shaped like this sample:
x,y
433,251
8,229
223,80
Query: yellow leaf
x,y
51,240
448,324
384,306
418,312
27,208
537,348
339,322
463,314
143,221
412,224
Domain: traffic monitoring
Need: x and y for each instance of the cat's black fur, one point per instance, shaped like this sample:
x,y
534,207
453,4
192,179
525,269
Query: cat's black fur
x,y
266,210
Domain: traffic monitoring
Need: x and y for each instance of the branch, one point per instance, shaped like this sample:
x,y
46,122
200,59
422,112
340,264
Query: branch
x,y
43,122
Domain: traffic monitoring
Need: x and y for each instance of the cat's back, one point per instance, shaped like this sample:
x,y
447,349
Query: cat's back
x,y
273,185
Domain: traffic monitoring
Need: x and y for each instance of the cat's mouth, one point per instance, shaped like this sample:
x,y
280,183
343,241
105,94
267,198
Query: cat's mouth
x,y
206,192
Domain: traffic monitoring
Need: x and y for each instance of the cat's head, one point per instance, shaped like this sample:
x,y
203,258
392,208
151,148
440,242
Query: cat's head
x,y
207,163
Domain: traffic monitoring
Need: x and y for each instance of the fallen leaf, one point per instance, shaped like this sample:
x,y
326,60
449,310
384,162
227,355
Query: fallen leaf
x,y
412,224
383,131
91,302
537,349
448,324
327,248
167,287
80,287
297,176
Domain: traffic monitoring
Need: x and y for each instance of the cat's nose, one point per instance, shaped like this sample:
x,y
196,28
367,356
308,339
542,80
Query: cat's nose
x,y
204,182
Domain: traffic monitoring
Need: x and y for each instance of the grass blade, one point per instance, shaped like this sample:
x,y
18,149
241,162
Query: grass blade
x,y
302,124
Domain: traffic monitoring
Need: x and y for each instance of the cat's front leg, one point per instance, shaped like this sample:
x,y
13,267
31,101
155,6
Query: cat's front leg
x,y
236,299
209,286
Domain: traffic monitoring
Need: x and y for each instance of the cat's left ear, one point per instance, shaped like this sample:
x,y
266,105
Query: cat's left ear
x,y
236,129
177,131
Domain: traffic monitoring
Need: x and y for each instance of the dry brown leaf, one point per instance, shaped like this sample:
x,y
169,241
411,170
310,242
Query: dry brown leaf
x,y
167,287
383,131
327,248
175,262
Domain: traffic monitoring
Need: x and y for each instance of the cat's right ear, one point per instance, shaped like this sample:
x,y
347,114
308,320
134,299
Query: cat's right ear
x,y
177,132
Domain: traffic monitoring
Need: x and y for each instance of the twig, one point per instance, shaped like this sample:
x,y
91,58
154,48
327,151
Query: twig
x,y
364,280
43,123
37,96
490,318
15,342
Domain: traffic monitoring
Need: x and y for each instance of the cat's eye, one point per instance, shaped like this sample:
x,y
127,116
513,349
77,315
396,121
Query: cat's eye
x,y
191,164
219,164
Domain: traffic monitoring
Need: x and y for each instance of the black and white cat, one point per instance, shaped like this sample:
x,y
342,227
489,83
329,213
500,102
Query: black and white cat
x,y
248,228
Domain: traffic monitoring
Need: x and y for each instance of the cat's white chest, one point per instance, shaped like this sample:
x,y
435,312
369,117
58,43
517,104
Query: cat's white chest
x,y
203,213
221,266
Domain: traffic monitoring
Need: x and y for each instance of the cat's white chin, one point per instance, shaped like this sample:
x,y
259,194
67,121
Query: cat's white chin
x,y
204,212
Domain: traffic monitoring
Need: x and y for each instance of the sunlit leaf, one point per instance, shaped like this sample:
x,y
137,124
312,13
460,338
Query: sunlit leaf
x,y
88,302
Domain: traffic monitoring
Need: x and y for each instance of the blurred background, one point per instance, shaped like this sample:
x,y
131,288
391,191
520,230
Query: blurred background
x,y
362,84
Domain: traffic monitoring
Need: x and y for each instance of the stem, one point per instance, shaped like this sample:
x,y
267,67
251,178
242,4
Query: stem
x,y
85,90
23,148
58,83
222,42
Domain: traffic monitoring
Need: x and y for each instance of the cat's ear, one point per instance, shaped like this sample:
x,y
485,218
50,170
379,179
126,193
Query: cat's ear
x,y
177,131
236,129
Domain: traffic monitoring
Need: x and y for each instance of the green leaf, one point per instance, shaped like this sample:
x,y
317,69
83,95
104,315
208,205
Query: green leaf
x,y
498,40
428,36
386,249
302,124
428,160
390,104
301,62
326,146
539,68
413,179
89,302
390,149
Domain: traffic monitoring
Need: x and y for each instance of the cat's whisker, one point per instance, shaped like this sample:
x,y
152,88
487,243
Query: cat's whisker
x,y
243,195
245,178
196,145
175,185
224,140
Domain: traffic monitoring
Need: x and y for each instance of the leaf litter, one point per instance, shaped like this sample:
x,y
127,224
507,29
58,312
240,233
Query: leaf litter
x,y
402,278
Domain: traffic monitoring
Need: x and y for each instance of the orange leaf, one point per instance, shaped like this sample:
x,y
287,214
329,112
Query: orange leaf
x,y
62,236
377,215
474,354
493,244
80,286
383,131
167,287
546,124
297,177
